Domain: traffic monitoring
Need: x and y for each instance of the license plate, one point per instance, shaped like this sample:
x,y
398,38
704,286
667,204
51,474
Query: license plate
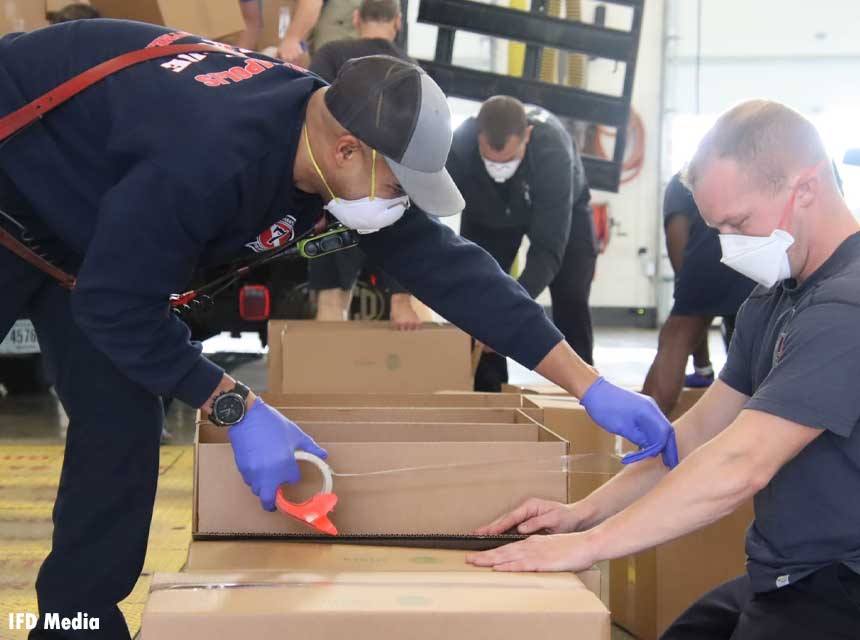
x,y
21,339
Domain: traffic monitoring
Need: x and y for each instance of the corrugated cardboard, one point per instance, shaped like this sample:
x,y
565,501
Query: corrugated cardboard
x,y
566,417
438,501
648,591
208,18
686,399
306,356
22,15
277,555
372,605
439,399
408,414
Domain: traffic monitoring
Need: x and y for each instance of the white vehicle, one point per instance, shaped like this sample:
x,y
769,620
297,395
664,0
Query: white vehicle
x,y
21,360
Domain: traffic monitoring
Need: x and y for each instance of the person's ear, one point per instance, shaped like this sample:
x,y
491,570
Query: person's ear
x,y
356,19
807,191
528,135
348,153
398,24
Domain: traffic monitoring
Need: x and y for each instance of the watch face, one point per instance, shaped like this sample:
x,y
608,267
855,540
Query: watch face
x,y
229,408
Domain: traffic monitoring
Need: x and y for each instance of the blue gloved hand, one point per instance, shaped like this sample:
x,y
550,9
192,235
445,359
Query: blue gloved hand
x,y
263,444
632,416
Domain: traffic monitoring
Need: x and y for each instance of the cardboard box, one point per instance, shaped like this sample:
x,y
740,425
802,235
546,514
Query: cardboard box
x,y
405,415
306,356
649,590
543,389
277,555
439,399
22,15
686,400
499,468
372,605
208,18
566,417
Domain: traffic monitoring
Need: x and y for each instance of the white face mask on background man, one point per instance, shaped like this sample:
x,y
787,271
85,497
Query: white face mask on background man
x,y
764,259
501,171
365,215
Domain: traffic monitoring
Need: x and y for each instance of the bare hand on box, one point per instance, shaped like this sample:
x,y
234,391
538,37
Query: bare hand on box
x,y
533,516
560,552
403,316
290,50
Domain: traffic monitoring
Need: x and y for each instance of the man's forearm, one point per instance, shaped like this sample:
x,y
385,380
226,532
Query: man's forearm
x,y
705,487
563,367
621,491
306,15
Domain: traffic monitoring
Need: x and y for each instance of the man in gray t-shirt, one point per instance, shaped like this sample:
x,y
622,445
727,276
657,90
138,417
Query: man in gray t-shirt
x,y
779,426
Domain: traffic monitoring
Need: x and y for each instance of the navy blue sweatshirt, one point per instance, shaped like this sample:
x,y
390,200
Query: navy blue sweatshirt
x,y
186,162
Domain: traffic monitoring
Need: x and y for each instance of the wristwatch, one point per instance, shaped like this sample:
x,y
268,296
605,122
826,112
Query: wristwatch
x,y
229,407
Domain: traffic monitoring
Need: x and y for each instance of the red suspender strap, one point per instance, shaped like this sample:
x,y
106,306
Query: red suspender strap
x,y
58,95
20,118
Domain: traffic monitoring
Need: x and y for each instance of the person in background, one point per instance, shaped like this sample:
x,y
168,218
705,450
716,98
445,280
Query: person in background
x,y
521,175
780,426
294,45
704,288
75,11
252,13
333,277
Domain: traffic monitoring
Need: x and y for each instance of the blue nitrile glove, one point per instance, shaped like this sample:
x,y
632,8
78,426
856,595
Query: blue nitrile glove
x,y
263,444
633,416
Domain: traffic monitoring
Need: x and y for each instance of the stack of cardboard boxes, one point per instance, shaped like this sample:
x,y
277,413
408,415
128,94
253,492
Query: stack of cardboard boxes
x,y
451,462
454,460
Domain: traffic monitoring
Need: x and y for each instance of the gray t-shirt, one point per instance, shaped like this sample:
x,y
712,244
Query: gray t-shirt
x,y
796,352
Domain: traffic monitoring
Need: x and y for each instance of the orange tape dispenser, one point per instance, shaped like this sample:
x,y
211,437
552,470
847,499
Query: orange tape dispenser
x,y
313,512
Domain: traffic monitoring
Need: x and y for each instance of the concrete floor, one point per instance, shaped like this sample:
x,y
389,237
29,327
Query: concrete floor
x,y
622,355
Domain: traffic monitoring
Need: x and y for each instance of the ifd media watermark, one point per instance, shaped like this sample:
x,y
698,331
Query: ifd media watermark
x,y
79,622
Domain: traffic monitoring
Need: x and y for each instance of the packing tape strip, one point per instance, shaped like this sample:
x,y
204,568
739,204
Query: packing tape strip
x,y
591,463
309,580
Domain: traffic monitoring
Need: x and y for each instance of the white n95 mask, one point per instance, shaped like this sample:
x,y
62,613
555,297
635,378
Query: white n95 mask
x,y
760,258
501,171
366,215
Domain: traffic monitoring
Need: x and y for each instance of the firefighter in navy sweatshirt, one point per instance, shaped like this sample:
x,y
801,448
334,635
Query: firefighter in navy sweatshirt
x,y
195,160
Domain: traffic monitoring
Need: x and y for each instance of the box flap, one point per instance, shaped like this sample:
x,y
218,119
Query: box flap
x,y
437,399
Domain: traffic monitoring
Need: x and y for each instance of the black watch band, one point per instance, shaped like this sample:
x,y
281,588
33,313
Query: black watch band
x,y
229,407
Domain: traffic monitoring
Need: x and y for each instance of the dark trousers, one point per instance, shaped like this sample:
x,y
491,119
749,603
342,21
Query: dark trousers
x,y
569,291
107,486
822,606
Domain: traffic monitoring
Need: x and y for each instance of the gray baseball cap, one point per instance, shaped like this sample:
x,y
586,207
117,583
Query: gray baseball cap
x,y
394,107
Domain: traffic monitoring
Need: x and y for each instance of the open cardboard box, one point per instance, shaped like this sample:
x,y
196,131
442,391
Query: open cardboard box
x,y
369,604
438,399
500,465
403,415
306,356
